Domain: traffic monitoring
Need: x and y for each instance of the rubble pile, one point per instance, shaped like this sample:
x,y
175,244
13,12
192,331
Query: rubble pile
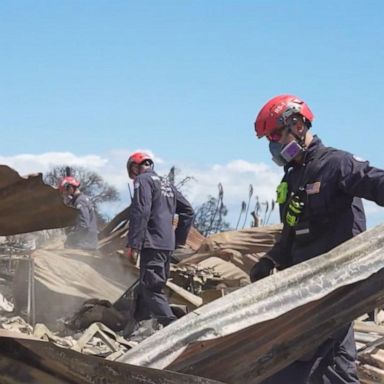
x,y
369,338
64,308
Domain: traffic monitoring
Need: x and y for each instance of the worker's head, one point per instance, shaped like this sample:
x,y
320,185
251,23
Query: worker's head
x,y
285,121
69,186
138,163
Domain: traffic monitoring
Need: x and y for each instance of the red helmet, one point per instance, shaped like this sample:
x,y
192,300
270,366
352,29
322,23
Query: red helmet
x,y
137,158
275,112
68,181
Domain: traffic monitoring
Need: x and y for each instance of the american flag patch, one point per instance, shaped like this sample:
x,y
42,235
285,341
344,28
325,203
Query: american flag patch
x,y
311,189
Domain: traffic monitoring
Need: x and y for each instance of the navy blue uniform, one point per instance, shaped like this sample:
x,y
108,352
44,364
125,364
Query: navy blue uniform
x,y
84,234
330,184
155,203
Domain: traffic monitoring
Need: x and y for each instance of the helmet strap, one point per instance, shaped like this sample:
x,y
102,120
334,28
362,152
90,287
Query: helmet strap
x,y
295,148
300,139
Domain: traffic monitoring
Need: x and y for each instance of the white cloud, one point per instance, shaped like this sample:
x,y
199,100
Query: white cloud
x,y
235,176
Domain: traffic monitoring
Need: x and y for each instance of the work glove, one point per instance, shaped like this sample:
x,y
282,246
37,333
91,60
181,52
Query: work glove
x,y
132,255
261,269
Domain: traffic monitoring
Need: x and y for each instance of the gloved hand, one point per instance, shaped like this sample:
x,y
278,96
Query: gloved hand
x,y
261,269
132,255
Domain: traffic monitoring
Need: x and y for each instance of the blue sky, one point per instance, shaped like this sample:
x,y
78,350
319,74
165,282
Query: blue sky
x,y
185,80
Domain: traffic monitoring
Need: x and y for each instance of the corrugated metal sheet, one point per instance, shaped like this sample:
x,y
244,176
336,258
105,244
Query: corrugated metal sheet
x,y
261,328
30,361
28,205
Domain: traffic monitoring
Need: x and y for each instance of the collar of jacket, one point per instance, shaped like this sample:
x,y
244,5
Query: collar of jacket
x,y
150,171
74,198
310,153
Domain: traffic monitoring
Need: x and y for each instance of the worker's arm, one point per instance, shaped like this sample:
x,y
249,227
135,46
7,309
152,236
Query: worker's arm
x,y
279,256
186,214
358,178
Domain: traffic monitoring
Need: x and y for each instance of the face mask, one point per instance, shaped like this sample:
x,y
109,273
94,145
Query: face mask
x,y
284,154
275,148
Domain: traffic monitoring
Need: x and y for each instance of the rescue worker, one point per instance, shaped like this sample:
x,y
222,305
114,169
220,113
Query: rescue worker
x,y
320,206
84,234
151,233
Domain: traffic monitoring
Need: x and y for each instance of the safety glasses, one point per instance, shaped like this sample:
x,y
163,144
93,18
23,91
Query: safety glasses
x,y
276,135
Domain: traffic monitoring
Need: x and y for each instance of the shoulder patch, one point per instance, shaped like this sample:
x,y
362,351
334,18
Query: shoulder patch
x,y
359,159
154,177
136,185
78,206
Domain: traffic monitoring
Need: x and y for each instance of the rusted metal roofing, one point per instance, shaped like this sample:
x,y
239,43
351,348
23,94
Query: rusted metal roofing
x,y
257,330
113,236
38,362
28,205
195,239
248,240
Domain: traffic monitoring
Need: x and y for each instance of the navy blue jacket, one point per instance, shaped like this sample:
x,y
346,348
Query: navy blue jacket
x,y
155,202
84,234
331,184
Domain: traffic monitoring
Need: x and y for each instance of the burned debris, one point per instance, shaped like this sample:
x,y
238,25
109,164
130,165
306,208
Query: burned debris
x,y
67,315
